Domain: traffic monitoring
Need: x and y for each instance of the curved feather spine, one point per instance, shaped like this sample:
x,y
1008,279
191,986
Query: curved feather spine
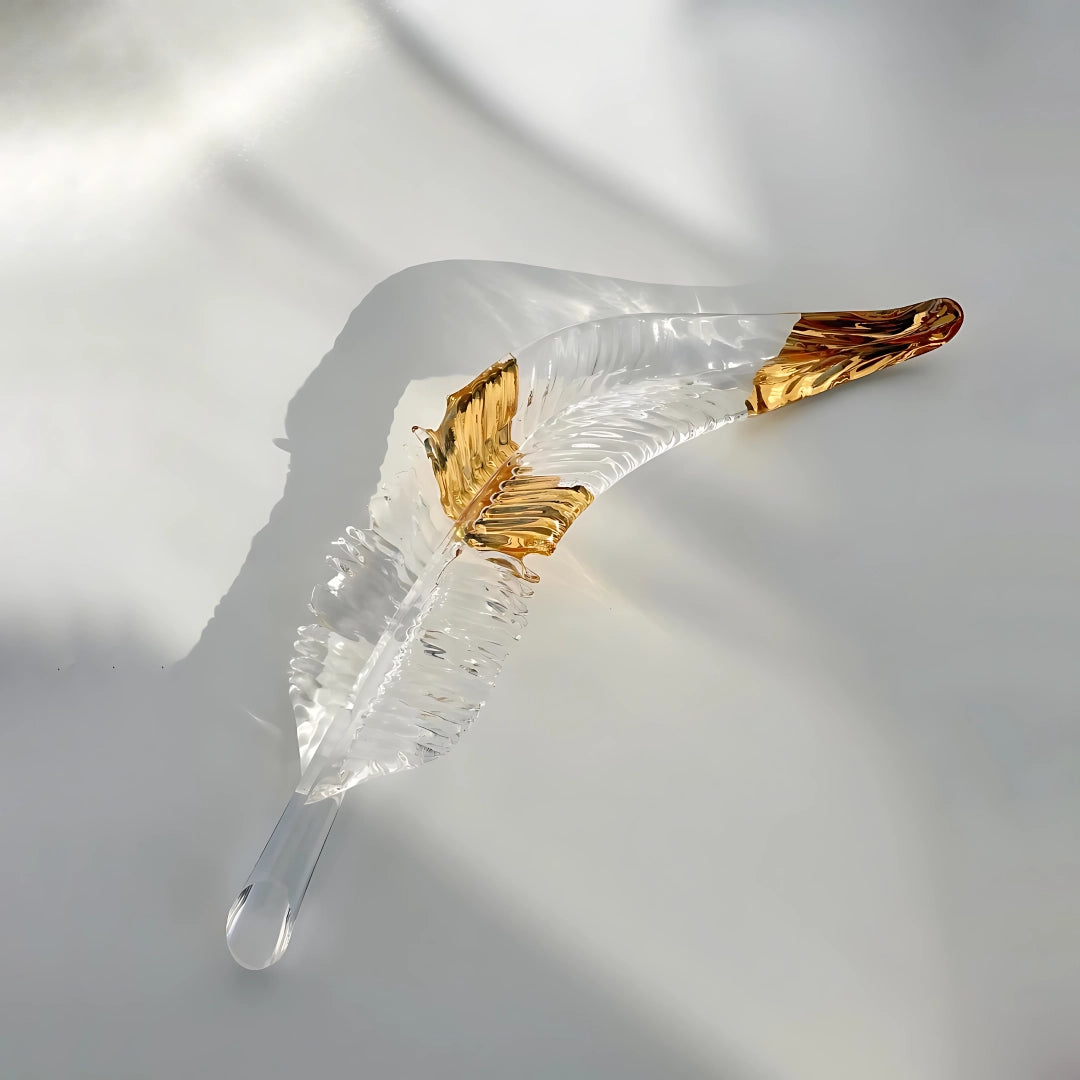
x,y
417,620
595,401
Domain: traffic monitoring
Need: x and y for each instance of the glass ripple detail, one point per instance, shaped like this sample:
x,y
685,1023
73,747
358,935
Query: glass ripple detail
x,y
414,626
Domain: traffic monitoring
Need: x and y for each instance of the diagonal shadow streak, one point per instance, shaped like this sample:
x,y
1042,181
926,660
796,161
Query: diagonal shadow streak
x,y
434,319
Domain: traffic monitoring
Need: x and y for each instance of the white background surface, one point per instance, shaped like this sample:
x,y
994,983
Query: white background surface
x,y
782,781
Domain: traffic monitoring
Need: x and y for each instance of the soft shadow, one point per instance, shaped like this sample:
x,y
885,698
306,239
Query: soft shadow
x,y
539,1012
435,319
432,64
120,814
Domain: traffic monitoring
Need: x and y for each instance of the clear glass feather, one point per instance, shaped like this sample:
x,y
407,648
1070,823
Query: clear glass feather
x,y
414,625
601,398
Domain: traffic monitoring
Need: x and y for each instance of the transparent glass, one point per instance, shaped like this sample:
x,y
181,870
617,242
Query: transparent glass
x,y
414,626
260,922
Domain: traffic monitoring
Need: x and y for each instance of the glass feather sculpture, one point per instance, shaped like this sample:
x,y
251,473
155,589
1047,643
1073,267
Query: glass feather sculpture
x,y
425,603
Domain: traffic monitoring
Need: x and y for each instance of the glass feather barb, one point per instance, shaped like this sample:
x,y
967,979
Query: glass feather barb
x,y
414,627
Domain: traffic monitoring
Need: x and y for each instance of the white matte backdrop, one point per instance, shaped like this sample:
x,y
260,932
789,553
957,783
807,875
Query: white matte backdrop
x,y
782,781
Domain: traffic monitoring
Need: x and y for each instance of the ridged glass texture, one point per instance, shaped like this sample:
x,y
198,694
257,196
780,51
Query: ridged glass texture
x,y
414,626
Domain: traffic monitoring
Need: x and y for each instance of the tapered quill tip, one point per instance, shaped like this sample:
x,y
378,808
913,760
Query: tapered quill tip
x,y
259,925
829,348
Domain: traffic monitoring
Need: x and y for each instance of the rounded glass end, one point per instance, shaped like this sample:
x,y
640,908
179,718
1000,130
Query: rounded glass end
x,y
259,925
